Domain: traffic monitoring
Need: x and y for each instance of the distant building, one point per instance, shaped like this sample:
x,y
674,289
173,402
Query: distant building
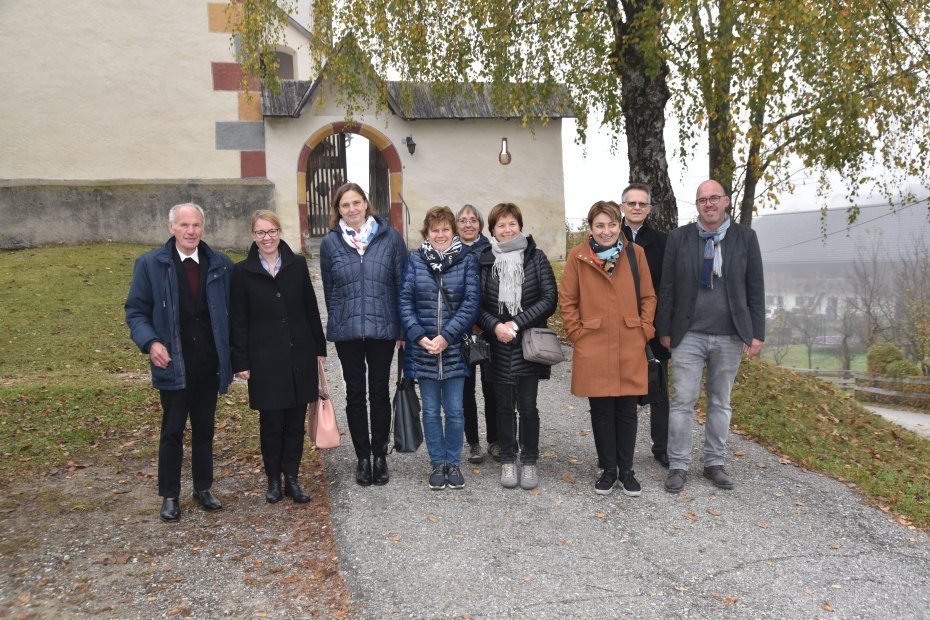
x,y
808,259
113,111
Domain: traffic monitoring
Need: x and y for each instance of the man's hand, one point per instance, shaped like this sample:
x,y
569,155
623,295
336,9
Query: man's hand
x,y
244,374
666,341
159,355
753,350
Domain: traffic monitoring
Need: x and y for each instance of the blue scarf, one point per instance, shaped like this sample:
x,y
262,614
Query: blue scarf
x,y
610,255
712,264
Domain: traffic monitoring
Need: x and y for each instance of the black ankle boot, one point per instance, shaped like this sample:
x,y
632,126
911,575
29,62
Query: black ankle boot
x,y
363,472
293,490
274,490
380,471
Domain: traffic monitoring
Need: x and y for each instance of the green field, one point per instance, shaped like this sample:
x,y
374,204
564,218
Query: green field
x,y
822,357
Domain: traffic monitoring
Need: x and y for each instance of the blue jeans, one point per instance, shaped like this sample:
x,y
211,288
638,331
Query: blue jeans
x,y
444,445
722,355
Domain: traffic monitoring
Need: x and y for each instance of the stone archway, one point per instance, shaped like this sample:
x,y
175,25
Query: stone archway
x,y
381,142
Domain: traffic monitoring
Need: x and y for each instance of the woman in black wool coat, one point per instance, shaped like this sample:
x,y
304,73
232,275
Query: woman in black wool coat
x,y
276,339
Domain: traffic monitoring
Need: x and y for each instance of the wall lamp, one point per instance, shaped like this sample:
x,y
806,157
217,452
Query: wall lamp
x,y
504,156
411,145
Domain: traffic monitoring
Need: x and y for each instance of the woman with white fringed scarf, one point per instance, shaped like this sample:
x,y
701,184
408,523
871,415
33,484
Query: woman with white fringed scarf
x,y
518,291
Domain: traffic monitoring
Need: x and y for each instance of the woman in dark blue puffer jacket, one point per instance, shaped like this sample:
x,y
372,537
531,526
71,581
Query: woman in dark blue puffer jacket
x,y
362,263
438,305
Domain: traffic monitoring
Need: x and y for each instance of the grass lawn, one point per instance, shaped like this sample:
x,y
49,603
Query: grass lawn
x,y
70,387
822,357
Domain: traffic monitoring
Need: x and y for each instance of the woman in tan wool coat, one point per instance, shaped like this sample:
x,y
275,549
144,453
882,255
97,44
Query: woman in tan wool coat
x,y
609,333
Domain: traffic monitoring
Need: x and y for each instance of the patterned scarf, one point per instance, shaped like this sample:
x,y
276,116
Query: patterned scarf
x,y
712,264
440,260
359,240
508,267
606,257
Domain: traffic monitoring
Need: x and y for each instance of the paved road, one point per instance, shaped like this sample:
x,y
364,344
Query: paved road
x,y
784,543
911,420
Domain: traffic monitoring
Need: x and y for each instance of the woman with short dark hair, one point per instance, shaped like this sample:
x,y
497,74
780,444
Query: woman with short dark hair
x,y
609,331
518,291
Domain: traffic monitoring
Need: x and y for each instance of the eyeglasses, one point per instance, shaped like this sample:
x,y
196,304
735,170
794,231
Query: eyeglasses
x,y
261,234
709,200
633,205
468,221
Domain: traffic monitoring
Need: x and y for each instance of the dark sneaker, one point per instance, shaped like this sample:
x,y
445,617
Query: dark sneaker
x,y
475,456
454,477
720,478
662,457
675,480
494,449
605,484
630,484
437,479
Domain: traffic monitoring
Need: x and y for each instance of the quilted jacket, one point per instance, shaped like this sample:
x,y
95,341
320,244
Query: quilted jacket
x,y
424,312
539,298
361,291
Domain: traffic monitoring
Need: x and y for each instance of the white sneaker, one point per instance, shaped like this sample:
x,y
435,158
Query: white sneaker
x,y
509,475
529,478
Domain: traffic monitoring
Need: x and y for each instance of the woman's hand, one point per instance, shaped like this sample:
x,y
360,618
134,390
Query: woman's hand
x,y
244,374
439,344
504,333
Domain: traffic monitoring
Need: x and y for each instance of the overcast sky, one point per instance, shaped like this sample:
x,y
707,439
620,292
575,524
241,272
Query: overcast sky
x,y
592,172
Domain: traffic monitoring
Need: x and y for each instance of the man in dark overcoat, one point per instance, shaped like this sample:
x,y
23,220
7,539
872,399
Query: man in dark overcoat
x,y
636,206
177,314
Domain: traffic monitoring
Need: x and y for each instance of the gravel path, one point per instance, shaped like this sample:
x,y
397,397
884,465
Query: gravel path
x,y
785,543
911,420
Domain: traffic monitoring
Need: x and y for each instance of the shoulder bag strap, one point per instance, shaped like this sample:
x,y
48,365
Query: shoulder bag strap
x,y
634,268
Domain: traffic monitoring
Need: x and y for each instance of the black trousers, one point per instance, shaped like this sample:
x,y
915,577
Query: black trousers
x,y
282,437
374,355
613,423
658,418
471,408
197,401
521,396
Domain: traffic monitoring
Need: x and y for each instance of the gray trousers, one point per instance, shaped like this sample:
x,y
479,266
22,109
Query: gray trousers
x,y
721,355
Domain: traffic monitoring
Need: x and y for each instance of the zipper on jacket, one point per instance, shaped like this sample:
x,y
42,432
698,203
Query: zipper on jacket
x,y
439,305
361,279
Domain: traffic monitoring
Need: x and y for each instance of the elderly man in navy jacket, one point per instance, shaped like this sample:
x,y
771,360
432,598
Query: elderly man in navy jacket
x,y
177,314
711,311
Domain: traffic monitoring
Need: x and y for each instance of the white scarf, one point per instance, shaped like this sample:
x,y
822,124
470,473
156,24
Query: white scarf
x,y
508,267
359,240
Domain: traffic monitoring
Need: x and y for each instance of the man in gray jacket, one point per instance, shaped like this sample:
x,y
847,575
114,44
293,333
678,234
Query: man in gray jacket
x,y
711,310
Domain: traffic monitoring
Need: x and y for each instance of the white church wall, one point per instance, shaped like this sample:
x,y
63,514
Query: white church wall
x,y
102,94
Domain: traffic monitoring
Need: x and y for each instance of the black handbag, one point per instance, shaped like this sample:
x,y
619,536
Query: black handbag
x,y
656,371
475,349
408,429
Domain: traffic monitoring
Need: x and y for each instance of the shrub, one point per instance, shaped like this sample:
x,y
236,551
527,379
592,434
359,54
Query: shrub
x,y
901,368
880,355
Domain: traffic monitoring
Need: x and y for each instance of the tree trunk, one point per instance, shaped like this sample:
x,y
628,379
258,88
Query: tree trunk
x,y
645,92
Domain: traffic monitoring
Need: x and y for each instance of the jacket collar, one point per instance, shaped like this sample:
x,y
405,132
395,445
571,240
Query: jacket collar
x,y
253,263
167,251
